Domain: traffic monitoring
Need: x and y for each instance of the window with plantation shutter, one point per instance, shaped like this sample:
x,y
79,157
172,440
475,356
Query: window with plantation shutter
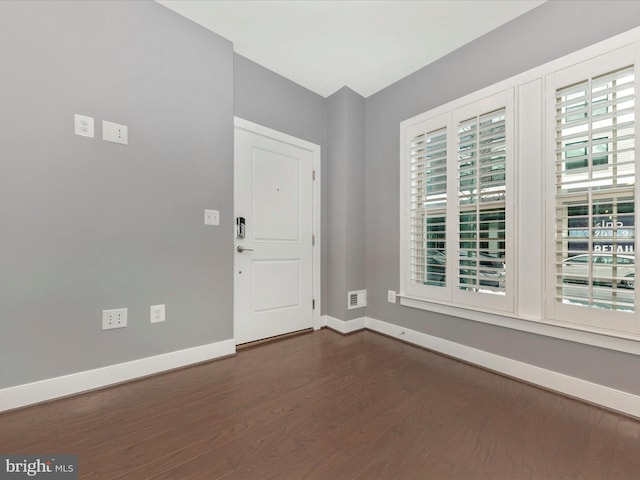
x,y
481,200
456,173
593,265
518,201
425,174
428,208
483,197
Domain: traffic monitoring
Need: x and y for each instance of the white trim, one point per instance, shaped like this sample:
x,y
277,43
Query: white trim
x,y
608,397
49,389
316,154
317,232
528,195
627,38
346,326
243,124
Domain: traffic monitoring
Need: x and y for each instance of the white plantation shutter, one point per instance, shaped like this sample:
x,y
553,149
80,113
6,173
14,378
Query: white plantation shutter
x,y
455,212
428,202
482,165
519,201
595,192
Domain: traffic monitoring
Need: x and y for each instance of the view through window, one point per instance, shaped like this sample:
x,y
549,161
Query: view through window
x,y
595,192
481,199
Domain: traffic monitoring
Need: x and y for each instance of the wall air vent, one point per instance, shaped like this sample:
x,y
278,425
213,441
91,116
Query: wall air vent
x,y
356,299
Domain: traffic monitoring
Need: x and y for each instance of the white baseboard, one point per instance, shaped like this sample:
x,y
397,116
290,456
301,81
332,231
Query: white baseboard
x,y
345,326
574,387
23,395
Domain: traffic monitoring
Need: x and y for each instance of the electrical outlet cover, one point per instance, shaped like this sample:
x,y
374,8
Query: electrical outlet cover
x,y
83,125
116,318
157,313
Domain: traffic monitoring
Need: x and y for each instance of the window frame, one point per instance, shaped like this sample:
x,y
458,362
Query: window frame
x,y
582,316
411,131
451,293
502,303
531,312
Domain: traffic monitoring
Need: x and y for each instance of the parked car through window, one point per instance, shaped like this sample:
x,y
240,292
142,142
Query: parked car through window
x,y
604,269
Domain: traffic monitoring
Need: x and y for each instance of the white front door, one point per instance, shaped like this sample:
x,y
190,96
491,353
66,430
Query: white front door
x,y
273,195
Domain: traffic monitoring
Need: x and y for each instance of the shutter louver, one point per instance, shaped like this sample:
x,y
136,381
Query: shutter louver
x,y
428,202
481,199
595,192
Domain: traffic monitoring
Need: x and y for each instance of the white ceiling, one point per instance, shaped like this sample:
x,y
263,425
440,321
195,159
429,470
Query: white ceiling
x,y
366,45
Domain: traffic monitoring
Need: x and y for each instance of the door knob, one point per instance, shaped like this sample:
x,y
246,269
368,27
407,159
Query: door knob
x,y
241,249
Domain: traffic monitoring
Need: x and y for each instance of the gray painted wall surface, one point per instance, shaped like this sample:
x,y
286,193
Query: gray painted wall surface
x,y
89,225
345,177
547,32
266,98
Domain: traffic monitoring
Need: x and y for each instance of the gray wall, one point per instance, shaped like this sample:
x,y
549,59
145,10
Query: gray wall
x,y
345,203
547,32
89,225
266,98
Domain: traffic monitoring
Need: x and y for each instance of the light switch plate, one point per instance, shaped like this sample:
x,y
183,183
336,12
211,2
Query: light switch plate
x,y
114,132
212,217
83,125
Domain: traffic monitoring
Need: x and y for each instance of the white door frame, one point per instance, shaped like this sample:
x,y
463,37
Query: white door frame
x,y
242,124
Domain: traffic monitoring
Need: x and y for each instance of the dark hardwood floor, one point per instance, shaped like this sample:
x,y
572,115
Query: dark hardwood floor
x,y
327,406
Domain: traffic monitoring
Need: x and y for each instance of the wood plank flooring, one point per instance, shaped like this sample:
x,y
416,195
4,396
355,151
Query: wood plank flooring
x,y
327,406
